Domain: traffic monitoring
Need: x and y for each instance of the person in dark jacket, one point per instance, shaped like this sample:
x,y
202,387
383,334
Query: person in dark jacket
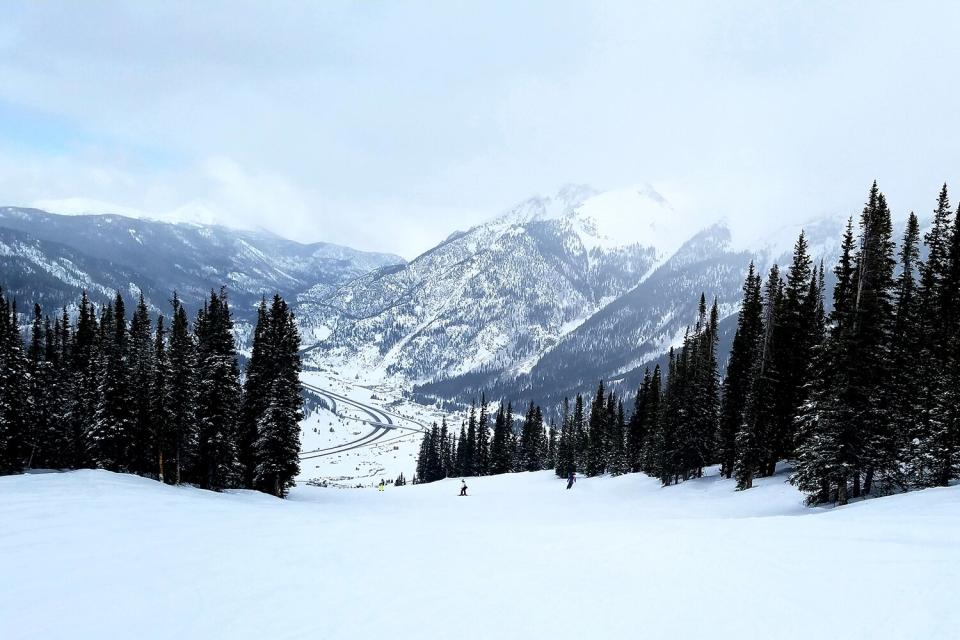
x,y
572,480
463,487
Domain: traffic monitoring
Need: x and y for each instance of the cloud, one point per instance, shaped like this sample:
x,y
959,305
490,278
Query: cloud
x,y
387,126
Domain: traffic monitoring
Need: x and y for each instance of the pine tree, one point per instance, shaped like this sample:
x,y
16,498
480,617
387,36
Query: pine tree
x,y
742,362
870,344
651,425
482,449
142,371
160,436
219,395
636,435
181,397
754,444
596,462
946,432
469,446
277,448
256,396
566,455
113,433
795,326
13,374
904,352
501,455
618,464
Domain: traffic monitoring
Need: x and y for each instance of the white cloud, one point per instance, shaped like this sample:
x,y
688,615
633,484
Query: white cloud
x,y
386,126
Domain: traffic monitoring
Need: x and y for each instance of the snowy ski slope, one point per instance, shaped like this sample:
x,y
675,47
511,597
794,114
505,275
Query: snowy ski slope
x,y
91,554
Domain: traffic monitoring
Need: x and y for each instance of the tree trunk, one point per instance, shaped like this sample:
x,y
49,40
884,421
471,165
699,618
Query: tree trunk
x,y
856,484
842,492
824,491
868,482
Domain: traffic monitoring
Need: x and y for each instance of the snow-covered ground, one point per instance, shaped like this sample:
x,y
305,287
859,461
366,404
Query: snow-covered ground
x,y
91,554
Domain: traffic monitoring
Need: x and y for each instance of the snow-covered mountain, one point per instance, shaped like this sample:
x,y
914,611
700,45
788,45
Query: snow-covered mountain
x,y
50,258
540,301
545,299
495,298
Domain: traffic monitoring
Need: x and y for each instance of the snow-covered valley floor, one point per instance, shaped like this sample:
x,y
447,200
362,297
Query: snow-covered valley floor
x,y
90,554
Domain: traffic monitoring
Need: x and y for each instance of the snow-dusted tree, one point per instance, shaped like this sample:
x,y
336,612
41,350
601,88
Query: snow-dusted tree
x,y
740,367
112,436
218,400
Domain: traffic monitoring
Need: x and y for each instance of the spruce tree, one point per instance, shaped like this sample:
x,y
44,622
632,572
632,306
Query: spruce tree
x,y
257,388
13,374
482,449
142,367
596,462
277,447
740,367
181,387
754,444
219,395
113,433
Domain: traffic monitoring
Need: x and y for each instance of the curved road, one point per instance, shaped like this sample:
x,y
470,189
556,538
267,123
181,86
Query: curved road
x,y
380,420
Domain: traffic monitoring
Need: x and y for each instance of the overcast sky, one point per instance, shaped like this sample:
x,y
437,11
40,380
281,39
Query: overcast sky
x,y
387,125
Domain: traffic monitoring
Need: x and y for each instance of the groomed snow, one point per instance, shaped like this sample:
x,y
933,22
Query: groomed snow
x,y
91,554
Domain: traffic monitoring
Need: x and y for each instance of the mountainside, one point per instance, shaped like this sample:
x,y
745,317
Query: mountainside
x,y
50,258
495,298
539,302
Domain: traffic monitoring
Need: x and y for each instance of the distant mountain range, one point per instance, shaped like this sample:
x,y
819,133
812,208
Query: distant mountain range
x,y
540,302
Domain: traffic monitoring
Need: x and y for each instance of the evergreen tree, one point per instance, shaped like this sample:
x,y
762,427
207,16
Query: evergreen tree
x,y
740,367
501,454
113,433
13,374
142,375
566,455
469,446
597,434
219,395
277,448
481,451
651,425
618,464
754,444
905,339
161,443
256,396
181,399
796,333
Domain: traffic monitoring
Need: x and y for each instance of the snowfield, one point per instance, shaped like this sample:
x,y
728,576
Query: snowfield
x,y
91,554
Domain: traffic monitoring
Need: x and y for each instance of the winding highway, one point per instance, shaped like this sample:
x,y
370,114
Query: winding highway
x,y
381,421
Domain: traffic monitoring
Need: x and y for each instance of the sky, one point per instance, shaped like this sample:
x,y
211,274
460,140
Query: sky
x,y
388,125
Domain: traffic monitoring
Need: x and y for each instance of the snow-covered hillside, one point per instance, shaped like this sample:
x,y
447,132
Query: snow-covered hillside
x,y
488,299
90,554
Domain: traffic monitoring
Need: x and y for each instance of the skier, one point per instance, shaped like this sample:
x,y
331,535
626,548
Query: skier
x,y
380,487
463,487
572,480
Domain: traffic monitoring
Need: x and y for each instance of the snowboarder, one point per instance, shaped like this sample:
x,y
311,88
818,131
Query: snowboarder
x,y
463,487
380,487
572,480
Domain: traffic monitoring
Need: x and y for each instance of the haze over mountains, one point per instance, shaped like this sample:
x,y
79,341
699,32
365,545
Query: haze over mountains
x,y
542,300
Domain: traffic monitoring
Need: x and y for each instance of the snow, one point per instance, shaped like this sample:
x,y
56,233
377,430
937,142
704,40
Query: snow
x,y
345,448
90,554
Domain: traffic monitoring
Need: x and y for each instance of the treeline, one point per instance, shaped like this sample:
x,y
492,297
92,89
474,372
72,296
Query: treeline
x,y
863,400
166,402
479,450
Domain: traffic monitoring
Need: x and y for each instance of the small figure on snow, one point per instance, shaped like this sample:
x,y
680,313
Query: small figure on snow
x,y
381,486
463,487
572,480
